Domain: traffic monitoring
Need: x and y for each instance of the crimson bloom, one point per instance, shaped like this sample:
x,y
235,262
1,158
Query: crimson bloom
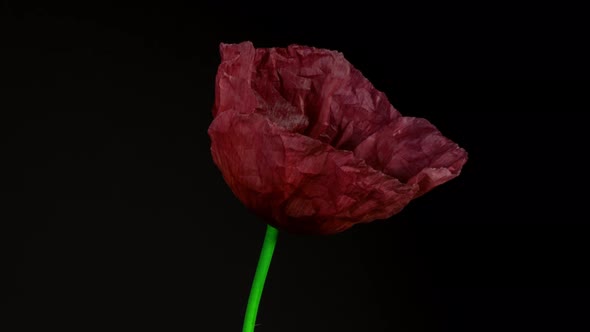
x,y
306,142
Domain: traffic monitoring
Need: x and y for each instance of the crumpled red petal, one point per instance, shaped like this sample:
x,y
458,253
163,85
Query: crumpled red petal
x,y
307,143
413,151
297,183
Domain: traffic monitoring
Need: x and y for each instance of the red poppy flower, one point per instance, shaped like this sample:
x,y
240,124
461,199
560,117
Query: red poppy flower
x,y
306,142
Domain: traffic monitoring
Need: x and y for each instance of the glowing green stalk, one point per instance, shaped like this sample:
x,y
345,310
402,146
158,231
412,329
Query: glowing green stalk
x,y
268,247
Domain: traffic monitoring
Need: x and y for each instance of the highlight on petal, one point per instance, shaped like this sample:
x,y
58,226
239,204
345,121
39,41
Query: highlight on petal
x,y
304,140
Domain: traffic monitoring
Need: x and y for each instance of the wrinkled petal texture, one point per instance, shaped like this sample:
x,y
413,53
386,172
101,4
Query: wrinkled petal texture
x,y
306,142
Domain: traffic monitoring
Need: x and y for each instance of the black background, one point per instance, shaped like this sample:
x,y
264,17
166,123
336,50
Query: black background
x,y
117,218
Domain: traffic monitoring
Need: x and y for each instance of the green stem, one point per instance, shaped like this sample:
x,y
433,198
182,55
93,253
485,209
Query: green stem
x,y
268,247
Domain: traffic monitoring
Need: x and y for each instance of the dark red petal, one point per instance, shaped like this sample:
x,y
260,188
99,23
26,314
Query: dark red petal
x,y
297,183
413,151
233,91
315,92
